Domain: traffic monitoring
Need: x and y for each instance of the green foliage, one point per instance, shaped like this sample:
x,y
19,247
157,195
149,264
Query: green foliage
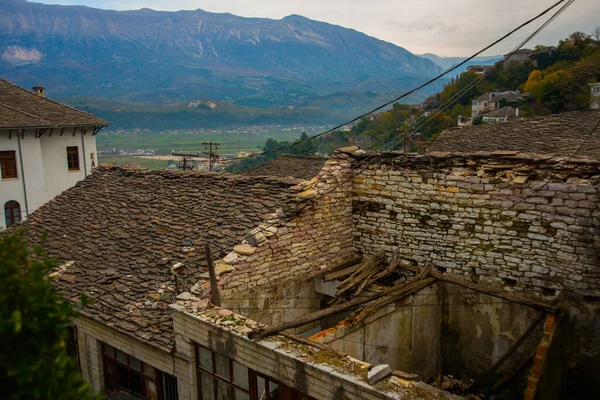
x,y
34,363
306,148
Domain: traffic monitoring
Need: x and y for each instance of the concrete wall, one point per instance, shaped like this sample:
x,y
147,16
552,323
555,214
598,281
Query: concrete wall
x,y
478,329
45,166
91,334
406,335
320,375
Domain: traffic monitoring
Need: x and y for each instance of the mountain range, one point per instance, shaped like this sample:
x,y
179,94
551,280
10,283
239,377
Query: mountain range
x,y
449,62
169,58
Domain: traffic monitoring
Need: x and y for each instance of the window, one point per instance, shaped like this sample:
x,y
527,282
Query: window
x,y
123,373
73,158
72,347
221,378
12,212
8,164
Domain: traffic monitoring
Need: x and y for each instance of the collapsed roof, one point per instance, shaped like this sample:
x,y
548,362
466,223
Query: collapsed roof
x,y
122,235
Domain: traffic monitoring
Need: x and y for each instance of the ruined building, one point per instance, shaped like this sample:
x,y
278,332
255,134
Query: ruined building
x,y
372,280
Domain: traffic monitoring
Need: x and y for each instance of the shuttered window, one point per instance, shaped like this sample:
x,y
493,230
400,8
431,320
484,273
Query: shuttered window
x,y
8,164
12,212
73,158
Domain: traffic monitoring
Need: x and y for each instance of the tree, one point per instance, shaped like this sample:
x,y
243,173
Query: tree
x,y
34,363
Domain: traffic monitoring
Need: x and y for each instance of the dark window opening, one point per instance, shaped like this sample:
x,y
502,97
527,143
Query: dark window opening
x,y
12,212
8,164
72,344
221,378
124,373
73,158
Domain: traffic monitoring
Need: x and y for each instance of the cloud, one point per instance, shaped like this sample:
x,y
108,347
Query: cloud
x,y
18,55
425,25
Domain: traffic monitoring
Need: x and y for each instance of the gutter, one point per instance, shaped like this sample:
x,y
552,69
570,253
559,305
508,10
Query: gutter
x,y
23,175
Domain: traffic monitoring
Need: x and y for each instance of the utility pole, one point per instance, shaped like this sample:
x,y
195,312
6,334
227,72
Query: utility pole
x,y
213,156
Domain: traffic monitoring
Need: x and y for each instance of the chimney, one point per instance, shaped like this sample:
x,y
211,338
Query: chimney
x,y
39,90
517,112
595,96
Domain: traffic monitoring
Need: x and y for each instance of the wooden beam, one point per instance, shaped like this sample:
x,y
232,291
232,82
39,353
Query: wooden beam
x,y
406,376
480,382
312,343
322,272
513,297
405,288
341,273
214,287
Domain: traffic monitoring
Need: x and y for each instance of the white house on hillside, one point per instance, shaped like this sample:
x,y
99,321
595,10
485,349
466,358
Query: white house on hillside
x,y
45,148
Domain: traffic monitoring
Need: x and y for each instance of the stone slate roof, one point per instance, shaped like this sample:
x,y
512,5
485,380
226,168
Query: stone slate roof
x,y
559,134
506,111
287,165
120,231
510,97
21,108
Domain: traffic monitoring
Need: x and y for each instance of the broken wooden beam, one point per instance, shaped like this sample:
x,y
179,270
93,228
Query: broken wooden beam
x,y
312,343
322,272
513,297
383,301
341,273
407,288
480,382
405,375
362,276
215,297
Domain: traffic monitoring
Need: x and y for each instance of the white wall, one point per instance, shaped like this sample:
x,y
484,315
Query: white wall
x,y
54,154
32,167
44,166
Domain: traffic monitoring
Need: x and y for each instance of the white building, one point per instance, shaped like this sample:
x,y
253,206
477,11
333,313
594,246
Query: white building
x,y
45,148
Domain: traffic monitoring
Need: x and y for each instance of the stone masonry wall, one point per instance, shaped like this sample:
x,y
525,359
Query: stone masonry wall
x,y
488,217
261,277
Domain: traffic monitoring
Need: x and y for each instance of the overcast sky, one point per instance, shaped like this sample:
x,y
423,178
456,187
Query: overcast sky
x,y
443,27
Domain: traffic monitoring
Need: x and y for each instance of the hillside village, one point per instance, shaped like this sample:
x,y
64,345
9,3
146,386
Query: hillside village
x,y
443,250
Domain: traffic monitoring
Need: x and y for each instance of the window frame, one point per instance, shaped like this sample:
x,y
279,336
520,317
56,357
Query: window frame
x,y
5,159
73,158
106,359
10,217
284,392
72,342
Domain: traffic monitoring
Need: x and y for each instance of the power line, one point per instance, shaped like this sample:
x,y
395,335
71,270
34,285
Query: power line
x,y
547,10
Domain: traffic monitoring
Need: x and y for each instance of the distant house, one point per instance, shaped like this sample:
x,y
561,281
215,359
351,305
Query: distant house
x,y
491,101
501,115
45,148
479,69
431,103
464,121
519,56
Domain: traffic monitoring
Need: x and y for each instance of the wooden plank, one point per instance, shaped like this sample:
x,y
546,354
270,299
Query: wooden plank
x,y
407,288
390,298
513,297
214,287
480,382
341,273
405,375
322,272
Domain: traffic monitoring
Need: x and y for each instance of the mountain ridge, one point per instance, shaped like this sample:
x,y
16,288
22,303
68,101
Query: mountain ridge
x,y
165,57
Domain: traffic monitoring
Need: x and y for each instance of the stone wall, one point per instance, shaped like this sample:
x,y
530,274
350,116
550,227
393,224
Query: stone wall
x,y
488,217
262,275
